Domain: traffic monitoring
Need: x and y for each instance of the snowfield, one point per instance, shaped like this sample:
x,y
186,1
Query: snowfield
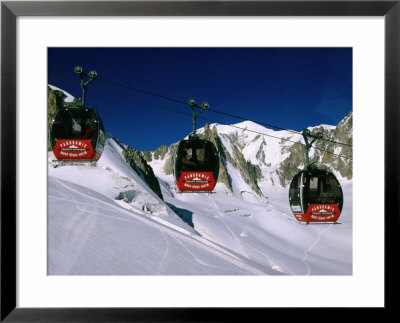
x,y
91,235
104,220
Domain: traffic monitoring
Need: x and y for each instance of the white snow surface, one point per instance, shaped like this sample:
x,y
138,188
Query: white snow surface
x,y
103,219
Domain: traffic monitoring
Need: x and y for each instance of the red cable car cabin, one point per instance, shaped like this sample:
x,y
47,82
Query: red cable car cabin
x,y
315,196
196,166
77,134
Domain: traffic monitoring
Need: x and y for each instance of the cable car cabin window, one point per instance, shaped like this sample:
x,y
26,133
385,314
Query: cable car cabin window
x,y
313,184
294,194
311,190
331,193
294,190
75,124
195,156
193,159
327,195
323,189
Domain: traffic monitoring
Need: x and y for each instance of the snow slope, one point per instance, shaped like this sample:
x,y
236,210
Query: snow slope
x,y
265,231
104,220
262,227
93,231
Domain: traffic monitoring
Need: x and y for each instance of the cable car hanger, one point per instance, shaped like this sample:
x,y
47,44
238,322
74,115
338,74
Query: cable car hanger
x,y
91,75
204,106
307,133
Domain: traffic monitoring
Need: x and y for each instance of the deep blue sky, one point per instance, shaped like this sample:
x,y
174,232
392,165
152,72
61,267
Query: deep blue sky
x,y
291,88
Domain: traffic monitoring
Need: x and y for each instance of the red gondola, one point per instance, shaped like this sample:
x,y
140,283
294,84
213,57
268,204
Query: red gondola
x,y
196,161
315,195
196,165
77,133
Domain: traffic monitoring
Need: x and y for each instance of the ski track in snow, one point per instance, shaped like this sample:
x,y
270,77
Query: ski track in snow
x,y
165,224
165,253
317,239
80,226
97,200
237,241
193,255
77,229
81,231
271,260
117,208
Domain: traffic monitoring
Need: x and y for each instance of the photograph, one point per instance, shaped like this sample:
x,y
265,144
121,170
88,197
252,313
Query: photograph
x,y
200,161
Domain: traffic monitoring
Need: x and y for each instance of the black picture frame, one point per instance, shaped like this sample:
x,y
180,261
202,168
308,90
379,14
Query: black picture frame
x,y
10,10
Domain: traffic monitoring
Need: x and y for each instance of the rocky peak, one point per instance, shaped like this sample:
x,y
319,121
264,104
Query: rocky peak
x,y
259,156
137,162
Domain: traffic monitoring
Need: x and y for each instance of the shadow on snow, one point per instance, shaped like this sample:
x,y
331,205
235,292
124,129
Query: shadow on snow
x,y
184,214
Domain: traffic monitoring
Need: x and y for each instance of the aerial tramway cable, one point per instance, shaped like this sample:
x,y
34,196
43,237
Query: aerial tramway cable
x,y
152,93
206,119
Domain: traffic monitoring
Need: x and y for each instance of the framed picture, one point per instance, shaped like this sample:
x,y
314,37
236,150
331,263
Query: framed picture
x,y
34,286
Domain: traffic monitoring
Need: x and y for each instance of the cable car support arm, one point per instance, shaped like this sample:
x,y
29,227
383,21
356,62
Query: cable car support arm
x,y
202,107
91,75
306,133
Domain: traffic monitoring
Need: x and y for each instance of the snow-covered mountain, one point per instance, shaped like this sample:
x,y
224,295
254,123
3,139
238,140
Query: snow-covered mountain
x,y
123,215
255,159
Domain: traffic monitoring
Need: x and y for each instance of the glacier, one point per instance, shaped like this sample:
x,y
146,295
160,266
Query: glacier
x,y
103,219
